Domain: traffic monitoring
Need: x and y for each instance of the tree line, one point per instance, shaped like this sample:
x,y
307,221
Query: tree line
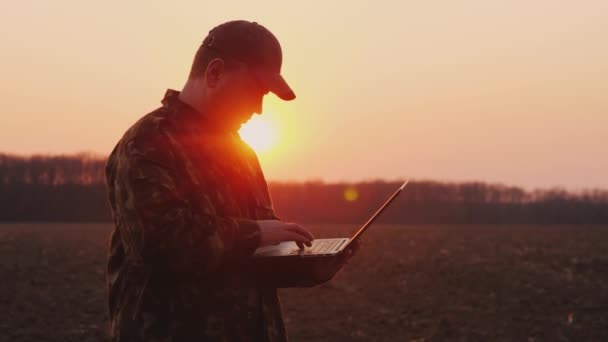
x,y
72,188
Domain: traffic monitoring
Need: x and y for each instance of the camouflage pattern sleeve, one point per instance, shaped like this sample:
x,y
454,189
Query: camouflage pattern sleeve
x,y
165,226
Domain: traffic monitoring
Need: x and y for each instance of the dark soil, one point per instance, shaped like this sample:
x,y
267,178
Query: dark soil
x,y
408,283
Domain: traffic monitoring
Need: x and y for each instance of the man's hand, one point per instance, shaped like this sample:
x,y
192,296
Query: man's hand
x,y
325,269
274,232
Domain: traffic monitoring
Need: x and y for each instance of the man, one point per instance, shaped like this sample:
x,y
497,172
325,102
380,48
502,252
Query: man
x,y
190,205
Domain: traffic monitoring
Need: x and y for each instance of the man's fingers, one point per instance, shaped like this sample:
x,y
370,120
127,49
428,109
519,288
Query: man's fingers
x,y
300,230
291,236
274,232
301,245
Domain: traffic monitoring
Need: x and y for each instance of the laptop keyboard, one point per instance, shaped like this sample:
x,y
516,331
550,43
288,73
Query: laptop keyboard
x,y
320,246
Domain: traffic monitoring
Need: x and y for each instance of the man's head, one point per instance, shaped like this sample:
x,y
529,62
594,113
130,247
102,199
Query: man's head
x,y
235,66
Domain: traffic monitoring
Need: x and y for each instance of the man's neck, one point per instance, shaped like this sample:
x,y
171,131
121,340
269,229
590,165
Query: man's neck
x,y
193,94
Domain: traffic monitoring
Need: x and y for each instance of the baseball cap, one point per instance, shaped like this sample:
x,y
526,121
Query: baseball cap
x,y
254,45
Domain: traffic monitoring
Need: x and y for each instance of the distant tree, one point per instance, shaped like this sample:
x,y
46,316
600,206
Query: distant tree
x,y
72,188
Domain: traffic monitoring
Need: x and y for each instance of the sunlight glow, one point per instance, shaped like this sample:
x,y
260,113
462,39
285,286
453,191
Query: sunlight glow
x,y
259,133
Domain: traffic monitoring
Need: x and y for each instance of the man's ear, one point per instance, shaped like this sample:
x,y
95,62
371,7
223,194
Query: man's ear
x,y
215,71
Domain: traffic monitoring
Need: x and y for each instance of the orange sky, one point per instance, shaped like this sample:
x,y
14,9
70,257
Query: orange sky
x,y
499,91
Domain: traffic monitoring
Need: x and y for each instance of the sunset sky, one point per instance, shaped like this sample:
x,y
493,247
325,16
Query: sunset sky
x,y
499,91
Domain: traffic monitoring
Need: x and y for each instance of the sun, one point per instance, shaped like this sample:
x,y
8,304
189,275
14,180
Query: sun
x,y
259,133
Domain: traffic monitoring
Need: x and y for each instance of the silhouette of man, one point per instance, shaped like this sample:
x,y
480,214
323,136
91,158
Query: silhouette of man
x,y
190,205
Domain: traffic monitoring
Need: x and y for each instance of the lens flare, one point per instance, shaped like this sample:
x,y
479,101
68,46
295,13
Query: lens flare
x,y
351,194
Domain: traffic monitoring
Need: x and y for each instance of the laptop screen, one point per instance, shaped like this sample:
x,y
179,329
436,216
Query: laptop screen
x,y
377,213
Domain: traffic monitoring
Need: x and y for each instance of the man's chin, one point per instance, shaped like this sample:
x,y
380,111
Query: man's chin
x,y
236,126
246,119
238,122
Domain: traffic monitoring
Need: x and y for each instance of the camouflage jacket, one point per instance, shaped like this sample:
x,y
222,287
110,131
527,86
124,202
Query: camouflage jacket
x,y
184,196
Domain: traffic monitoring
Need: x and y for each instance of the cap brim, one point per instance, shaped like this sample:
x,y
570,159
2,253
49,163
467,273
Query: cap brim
x,y
277,84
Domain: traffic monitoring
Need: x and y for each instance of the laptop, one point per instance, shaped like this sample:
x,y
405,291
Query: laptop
x,y
321,247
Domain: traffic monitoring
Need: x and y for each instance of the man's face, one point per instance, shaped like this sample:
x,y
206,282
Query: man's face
x,y
238,95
